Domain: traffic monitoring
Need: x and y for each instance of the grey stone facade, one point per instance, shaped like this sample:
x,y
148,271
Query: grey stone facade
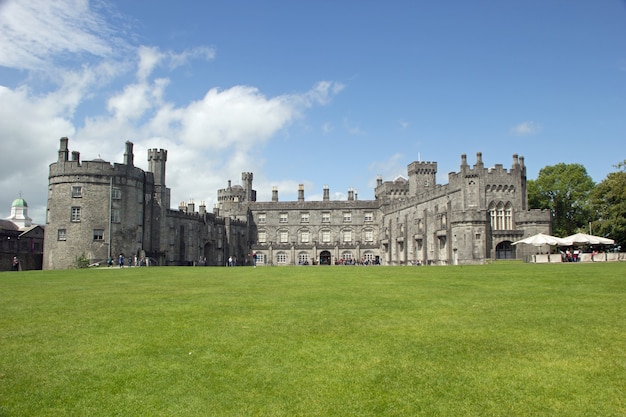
x,y
98,210
412,221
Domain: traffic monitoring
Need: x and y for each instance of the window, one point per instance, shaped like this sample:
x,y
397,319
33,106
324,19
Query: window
x,y
347,235
116,194
283,218
262,236
77,191
304,217
281,258
368,235
75,216
325,217
368,216
262,218
303,259
347,216
326,236
501,216
115,215
305,236
62,234
283,236
508,216
98,234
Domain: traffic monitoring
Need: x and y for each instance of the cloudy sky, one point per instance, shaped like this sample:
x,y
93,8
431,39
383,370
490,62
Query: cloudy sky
x,y
315,92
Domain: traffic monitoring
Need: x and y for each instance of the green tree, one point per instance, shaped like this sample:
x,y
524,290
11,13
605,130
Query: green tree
x,y
608,201
564,189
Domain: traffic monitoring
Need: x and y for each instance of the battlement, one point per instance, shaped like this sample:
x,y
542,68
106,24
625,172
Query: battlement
x,y
157,155
420,167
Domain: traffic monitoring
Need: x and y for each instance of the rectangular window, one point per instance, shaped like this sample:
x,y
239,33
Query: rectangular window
x,y
325,217
115,216
303,259
304,217
283,236
262,217
77,191
347,236
61,234
75,216
347,216
116,194
262,237
305,237
368,216
283,218
98,234
369,235
326,236
281,258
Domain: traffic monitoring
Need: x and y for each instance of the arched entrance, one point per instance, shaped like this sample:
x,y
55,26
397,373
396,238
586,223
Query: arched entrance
x,y
505,250
325,257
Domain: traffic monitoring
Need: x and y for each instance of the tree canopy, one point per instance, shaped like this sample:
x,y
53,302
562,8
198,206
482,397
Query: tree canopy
x,y
565,190
608,201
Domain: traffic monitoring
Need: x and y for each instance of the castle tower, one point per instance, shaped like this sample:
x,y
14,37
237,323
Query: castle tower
x,y
246,180
156,159
422,177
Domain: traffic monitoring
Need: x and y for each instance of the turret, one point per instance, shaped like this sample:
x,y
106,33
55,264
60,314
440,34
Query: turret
x,y
479,161
128,155
63,150
157,159
246,180
422,176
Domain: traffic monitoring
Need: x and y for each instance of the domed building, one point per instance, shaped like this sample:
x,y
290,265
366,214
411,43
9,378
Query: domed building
x,y
19,237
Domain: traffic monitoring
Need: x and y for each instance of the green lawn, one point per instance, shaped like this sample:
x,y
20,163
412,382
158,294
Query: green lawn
x,y
507,339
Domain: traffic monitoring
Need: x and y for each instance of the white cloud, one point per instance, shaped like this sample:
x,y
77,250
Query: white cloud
x,y
525,129
35,32
209,140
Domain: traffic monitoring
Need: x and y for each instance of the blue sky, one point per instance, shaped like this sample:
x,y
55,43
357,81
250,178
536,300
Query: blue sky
x,y
314,92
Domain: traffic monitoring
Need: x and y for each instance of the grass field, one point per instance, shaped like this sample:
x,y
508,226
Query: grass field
x,y
507,339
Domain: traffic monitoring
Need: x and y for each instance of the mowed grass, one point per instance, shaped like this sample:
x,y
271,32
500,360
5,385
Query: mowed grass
x,y
507,339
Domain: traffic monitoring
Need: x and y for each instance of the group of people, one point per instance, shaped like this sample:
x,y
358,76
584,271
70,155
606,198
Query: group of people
x,y
121,261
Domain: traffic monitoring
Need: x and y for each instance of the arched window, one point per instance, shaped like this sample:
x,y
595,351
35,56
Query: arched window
x,y
281,258
501,216
303,258
508,216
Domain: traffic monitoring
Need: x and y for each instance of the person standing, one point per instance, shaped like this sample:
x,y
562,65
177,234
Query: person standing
x,y
120,260
16,264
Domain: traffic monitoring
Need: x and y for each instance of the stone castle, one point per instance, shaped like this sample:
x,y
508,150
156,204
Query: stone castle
x,y
99,210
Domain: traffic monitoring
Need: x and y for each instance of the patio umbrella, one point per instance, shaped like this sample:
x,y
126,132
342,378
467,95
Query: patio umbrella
x,y
541,239
585,239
